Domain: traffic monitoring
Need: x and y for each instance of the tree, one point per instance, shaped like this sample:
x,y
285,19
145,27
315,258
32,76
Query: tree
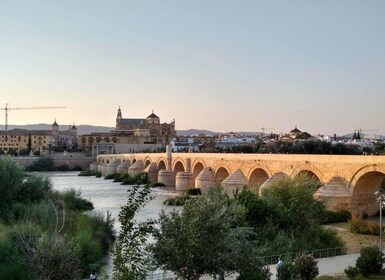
x,y
292,222
370,260
305,267
29,145
131,259
208,236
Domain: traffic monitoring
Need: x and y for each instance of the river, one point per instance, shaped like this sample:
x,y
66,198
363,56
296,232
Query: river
x,y
108,196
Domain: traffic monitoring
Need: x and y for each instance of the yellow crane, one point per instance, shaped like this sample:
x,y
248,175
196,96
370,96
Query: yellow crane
x,y
6,109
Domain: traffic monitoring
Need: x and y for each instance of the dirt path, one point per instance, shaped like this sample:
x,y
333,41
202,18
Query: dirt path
x,y
353,241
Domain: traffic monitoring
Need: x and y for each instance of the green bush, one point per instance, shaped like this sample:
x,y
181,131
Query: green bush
x,y
305,267
98,174
42,164
109,177
193,192
12,265
285,271
337,216
352,272
362,227
87,172
87,248
370,260
156,184
177,200
138,179
72,200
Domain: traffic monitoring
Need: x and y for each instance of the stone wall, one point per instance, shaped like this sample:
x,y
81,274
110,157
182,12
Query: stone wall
x,y
71,162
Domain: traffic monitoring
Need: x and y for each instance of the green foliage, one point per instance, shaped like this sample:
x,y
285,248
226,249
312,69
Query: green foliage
x,y
132,260
87,248
262,273
44,235
87,172
11,181
193,192
370,260
352,272
305,267
138,179
337,216
72,200
42,164
156,184
98,174
208,237
110,177
23,152
33,188
285,271
363,227
177,200
286,218
12,265
50,258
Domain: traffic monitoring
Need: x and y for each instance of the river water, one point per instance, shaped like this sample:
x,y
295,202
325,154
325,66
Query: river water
x,y
108,196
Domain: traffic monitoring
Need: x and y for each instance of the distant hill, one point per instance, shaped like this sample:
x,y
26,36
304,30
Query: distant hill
x,y
82,129
191,132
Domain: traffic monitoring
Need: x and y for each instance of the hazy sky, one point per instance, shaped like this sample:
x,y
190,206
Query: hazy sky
x,y
217,65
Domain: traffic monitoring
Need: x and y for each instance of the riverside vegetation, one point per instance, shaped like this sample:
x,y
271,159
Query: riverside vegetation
x,y
46,234
218,234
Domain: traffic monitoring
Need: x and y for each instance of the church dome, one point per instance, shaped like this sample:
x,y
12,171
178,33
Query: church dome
x,y
295,130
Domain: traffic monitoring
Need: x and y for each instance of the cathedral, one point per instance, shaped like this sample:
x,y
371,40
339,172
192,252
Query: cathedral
x,y
149,127
130,135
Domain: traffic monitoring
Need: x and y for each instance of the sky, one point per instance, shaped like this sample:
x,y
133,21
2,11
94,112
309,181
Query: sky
x,y
209,64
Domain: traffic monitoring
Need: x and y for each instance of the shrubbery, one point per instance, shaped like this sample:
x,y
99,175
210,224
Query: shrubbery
x,y
369,262
337,216
363,227
43,233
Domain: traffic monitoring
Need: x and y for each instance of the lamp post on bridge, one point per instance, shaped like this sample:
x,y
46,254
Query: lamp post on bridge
x,y
380,196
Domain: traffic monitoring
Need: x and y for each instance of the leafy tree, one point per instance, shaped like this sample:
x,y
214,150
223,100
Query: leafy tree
x,y
207,237
305,267
370,260
292,218
131,259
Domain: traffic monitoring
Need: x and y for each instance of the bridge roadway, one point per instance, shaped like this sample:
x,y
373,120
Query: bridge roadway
x,y
347,182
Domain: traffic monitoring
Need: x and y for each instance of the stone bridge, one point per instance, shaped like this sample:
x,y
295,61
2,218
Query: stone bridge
x,y
347,182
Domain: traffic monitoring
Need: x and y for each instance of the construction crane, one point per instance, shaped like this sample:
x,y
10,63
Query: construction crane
x,y
265,128
6,109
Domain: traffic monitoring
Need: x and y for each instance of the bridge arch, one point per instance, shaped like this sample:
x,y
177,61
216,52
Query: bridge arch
x,y
196,167
309,170
221,173
364,201
257,175
178,166
147,162
162,164
361,172
309,174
